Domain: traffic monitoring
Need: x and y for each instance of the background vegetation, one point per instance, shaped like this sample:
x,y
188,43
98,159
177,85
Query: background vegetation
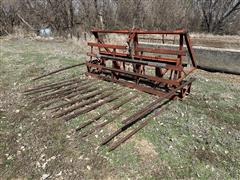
x,y
72,17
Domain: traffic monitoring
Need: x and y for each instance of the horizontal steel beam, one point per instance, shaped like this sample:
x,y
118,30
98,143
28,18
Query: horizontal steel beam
x,y
142,62
161,51
130,85
176,32
142,57
144,76
107,45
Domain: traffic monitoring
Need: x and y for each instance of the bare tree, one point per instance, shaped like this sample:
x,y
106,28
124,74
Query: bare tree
x,y
70,17
217,13
99,5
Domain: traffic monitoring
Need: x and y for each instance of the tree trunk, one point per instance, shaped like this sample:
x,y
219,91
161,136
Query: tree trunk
x,y
99,12
71,12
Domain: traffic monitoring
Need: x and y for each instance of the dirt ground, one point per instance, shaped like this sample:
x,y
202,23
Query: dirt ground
x,y
197,137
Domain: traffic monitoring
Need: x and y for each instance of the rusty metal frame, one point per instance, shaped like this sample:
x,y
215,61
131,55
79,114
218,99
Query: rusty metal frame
x,y
170,72
127,64
143,113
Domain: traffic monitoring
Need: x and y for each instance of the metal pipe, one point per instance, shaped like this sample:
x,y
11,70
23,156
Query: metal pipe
x,y
55,84
80,91
145,111
56,71
72,108
84,91
88,109
92,130
79,99
114,145
161,65
83,125
83,85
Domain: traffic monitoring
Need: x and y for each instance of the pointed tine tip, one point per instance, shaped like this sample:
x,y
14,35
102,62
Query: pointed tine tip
x,y
102,143
84,125
105,141
83,135
111,148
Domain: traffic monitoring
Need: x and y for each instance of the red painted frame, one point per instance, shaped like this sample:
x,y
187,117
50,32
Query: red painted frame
x,y
133,53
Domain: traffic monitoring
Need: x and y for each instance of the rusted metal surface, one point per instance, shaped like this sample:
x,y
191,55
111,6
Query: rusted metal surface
x,y
114,145
125,31
79,105
83,125
81,92
51,85
58,70
88,109
129,84
110,60
61,89
159,71
67,90
79,99
67,97
145,111
101,125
